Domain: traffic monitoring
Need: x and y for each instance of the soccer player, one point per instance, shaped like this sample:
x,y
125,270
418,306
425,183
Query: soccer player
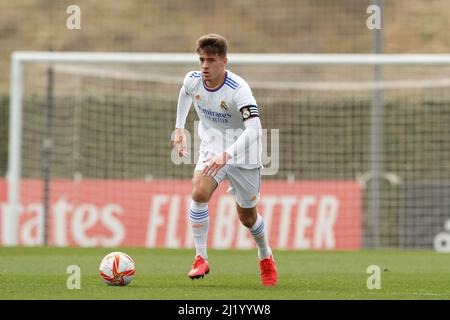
x,y
226,108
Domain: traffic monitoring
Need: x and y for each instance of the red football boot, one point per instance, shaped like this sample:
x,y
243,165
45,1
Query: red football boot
x,y
268,272
199,268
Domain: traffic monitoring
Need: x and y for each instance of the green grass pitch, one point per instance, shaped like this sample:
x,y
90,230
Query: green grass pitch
x,y
40,273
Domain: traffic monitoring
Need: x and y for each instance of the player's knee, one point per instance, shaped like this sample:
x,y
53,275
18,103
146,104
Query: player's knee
x,y
200,195
247,216
248,221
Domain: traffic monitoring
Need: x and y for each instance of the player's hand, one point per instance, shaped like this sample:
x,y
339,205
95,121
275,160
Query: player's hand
x,y
214,164
179,142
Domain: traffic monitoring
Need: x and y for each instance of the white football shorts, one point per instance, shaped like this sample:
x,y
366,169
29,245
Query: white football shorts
x,y
244,183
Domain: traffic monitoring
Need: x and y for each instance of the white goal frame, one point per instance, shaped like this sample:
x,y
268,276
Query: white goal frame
x,y
19,58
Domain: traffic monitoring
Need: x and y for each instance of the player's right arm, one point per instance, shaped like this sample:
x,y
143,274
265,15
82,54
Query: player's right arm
x,y
183,107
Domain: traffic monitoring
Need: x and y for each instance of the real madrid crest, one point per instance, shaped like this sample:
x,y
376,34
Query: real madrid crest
x,y
223,106
245,112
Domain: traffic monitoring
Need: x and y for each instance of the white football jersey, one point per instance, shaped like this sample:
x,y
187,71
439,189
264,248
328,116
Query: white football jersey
x,y
221,120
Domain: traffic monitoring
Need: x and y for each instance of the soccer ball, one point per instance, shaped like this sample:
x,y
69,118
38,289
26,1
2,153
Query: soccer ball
x,y
117,269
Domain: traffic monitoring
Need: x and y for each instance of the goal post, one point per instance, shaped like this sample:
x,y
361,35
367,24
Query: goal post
x,y
288,85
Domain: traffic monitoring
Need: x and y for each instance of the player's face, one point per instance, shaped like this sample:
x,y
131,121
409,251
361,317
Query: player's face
x,y
213,67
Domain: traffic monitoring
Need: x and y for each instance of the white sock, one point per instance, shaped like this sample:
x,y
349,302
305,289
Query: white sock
x,y
199,218
259,234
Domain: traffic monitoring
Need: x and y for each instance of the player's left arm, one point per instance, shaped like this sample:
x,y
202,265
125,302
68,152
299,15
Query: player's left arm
x,y
246,104
249,136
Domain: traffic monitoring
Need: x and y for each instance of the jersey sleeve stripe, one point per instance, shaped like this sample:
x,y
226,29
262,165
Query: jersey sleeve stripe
x,y
194,74
233,82
230,85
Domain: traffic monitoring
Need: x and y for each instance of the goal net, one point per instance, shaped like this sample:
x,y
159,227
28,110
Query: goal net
x,y
356,152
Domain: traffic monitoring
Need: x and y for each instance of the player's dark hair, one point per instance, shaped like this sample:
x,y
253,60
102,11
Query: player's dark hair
x,y
213,44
